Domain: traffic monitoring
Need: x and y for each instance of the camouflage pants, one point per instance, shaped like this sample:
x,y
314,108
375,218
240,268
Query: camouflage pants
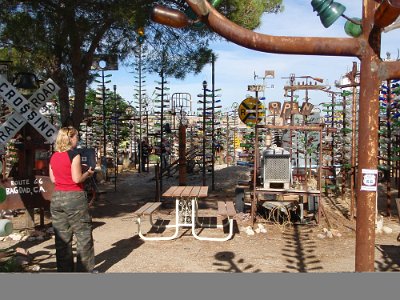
x,y
70,216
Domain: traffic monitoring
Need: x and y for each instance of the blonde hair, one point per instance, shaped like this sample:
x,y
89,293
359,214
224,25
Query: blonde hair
x,y
63,140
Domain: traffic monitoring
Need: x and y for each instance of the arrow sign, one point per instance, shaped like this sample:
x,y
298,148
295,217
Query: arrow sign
x,y
27,111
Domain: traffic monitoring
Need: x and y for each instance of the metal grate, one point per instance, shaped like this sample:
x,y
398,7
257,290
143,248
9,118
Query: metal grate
x,y
276,169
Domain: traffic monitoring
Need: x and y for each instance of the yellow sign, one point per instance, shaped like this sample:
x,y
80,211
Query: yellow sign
x,y
249,108
236,142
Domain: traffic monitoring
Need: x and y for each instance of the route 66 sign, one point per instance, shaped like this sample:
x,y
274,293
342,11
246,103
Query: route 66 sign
x,y
369,180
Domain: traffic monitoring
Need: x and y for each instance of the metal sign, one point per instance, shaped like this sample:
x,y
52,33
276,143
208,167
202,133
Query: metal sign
x,y
255,88
25,192
248,109
27,110
369,180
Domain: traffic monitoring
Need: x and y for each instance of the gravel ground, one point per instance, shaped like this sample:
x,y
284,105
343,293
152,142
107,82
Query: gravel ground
x,y
281,249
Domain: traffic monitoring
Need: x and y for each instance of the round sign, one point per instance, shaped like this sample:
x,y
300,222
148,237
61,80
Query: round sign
x,y
248,109
369,179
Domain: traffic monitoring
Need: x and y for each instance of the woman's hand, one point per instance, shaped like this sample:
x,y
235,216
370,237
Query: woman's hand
x,y
76,170
90,172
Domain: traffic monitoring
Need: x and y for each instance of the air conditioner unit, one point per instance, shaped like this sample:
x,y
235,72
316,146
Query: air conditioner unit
x,y
276,169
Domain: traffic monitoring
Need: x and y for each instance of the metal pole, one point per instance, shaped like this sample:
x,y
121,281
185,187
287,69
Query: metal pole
x,y
104,114
344,124
353,84
333,169
227,139
147,134
204,132
140,109
255,166
104,124
367,141
182,154
389,148
131,140
353,149
162,129
157,177
234,133
212,124
307,173
292,79
115,138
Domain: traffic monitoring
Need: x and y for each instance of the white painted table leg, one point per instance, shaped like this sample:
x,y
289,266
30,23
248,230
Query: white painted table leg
x,y
203,238
159,238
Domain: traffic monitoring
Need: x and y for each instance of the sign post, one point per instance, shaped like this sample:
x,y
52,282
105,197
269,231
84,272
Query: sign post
x,y
40,129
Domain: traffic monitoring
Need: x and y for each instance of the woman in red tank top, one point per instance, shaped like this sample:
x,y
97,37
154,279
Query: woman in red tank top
x,y
69,206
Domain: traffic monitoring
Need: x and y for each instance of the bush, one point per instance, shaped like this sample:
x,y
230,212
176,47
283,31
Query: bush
x,y
154,158
10,265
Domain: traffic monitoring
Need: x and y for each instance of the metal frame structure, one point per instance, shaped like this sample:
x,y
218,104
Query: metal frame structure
x,y
373,70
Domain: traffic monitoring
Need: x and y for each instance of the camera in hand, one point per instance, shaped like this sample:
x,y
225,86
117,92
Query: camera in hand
x,y
88,158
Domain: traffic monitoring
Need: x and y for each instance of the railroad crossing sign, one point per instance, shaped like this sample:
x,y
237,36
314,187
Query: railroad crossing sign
x,y
27,110
247,110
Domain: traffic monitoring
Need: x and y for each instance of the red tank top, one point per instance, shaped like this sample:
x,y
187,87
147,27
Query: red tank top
x,y
60,163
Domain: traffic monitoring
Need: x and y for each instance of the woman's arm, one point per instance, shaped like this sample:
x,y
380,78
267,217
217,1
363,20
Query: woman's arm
x,y
52,178
76,170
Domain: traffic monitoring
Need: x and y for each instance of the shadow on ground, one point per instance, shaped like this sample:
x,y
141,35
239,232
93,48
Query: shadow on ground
x,y
299,251
390,259
226,262
117,252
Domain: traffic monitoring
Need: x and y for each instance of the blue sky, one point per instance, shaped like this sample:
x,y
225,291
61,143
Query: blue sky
x,y
235,65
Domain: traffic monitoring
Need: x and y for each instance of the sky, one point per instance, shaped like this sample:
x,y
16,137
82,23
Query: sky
x,y
235,65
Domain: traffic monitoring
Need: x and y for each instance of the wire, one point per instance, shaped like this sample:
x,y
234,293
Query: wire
x,y
279,218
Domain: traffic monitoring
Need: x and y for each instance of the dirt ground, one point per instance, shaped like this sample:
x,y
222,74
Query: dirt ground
x,y
283,248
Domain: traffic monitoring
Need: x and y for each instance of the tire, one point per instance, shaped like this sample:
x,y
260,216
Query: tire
x,y
239,199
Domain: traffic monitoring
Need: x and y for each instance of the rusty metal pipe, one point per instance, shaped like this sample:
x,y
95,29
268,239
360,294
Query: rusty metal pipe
x,y
389,149
202,7
171,17
367,141
275,44
386,13
354,110
389,70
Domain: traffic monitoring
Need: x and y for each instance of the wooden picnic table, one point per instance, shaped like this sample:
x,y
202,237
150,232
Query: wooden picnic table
x,y
186,191
186,212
